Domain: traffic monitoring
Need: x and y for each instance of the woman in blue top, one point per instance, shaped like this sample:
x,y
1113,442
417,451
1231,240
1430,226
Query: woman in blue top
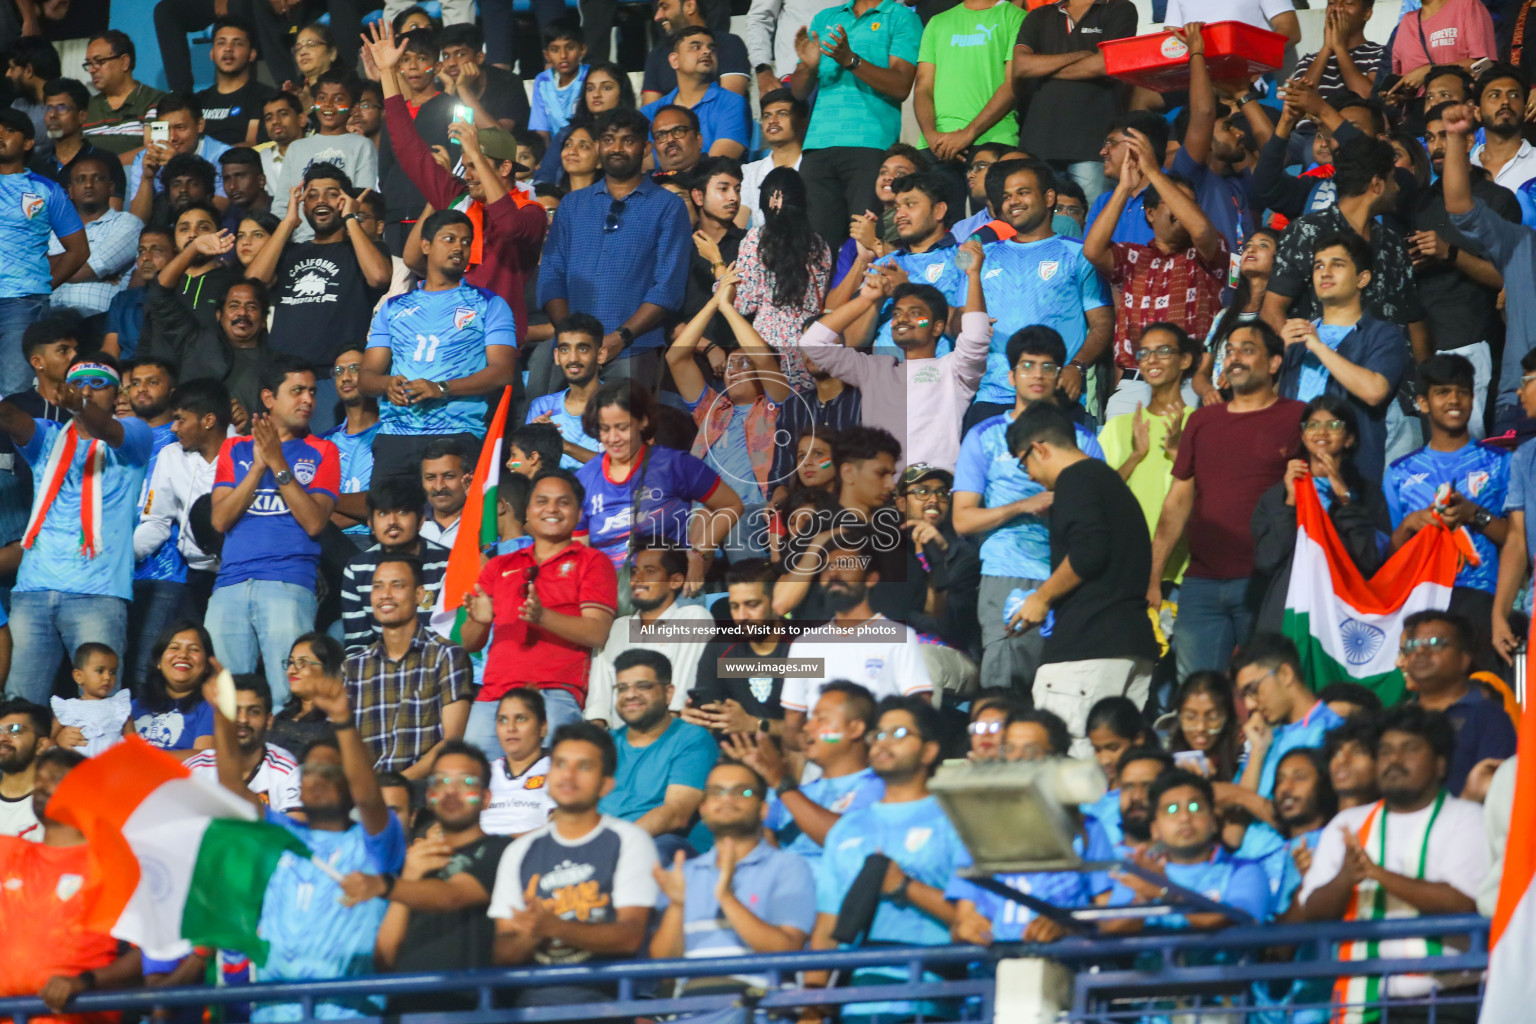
x,y
639,490
607,88
170,712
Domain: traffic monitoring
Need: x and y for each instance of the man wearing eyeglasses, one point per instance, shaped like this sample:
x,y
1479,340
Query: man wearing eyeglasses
x,y
24,733
1436,659
115,116
744,896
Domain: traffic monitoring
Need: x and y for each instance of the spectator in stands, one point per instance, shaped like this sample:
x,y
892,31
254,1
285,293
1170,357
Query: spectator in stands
x,y
558,88
98,718
245,184
241,750
678,140
125,314
782,125
1304,805
184,124
996,499
447,467
1132,227
410,690
1219,477
1351,751
282,119
49,346
607,87
674,17
1422,41
534,447
1500,95
1185,825
729,704
577,345
312,930
808,421
1437,655
1127,820
232,104
395,512
1349,699
926,495
1417,851
272,497
746,896
862,76
1347,64
117,112
26,731
234,348
1207,724
113,237
196,277
657,576
170,711
300,724
549,618
75,958
160,575
907,826
30,65
519,799
64,103
722,114
185,179
600,907
647,253
1071,101
1101,642
332,146
496,93
353,437
75,579
1115,725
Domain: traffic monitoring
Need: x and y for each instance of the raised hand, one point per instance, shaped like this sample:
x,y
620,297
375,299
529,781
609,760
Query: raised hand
x,y
670,880
385,49
807,47
1141,433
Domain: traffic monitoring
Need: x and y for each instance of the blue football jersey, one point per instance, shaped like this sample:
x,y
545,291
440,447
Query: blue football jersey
x,y
356,452
1066,889
673,481
1478,472
935,267
569,425
440,336
165,562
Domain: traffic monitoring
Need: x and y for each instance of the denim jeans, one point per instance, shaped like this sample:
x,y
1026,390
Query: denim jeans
x,y
559,709
258,620
1214,617
16,315
156,604
48,625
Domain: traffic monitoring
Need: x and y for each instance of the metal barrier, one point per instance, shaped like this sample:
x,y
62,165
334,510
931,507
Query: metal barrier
x,y
1132,978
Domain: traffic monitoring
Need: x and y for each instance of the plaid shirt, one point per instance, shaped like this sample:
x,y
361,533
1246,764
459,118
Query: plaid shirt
x,y
114,240
399,704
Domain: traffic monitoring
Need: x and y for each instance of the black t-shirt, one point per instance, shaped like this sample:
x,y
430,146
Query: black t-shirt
x,y
1097,522
1459,311
758,695
321,301
457,939
49,167
504,96
227,116
1064,119
730,59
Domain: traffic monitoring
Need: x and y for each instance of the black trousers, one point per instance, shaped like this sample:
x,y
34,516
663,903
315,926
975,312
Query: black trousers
x,y
399,455
598,16
839,184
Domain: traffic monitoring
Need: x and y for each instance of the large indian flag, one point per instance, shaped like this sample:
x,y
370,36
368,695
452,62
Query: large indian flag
x,y
1511,990
478,529
179,861
1347,627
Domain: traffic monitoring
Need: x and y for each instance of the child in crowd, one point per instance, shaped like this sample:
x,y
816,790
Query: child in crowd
x,y
98,718
557,88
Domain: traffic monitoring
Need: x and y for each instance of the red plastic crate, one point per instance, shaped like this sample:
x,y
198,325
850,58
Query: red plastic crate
x,y
1158,61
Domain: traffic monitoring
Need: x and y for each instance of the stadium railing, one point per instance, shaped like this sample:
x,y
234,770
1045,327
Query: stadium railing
x,y
1168,976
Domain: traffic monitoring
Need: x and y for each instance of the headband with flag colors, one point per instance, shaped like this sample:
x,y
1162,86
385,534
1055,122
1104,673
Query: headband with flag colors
x,y
93,371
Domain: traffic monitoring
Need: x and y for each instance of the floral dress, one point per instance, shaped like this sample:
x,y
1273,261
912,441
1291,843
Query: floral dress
x,y
780,326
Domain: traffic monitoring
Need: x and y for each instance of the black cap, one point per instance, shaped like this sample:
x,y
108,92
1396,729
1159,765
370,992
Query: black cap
x,y
18,121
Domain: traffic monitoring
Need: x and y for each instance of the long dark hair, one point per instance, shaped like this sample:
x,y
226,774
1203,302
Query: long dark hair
x,y
1340,409
153,694
1241,295
1229,742
581,115
787,245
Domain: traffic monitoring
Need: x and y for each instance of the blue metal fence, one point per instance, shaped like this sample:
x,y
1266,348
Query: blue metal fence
x,y
1168,976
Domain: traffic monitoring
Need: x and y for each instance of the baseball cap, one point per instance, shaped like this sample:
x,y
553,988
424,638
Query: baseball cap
x,y
919,471
498,144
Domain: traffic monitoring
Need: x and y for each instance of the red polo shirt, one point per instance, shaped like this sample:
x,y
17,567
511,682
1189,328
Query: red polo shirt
x,y
575,578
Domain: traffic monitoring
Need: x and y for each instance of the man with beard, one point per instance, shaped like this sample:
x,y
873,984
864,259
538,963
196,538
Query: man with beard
x,y
721,115
55,955
325,289
25,730
636,277
269,772
64,103
580,888
663,761
437,354
656,578
410,690
1351,751
714,190
353,438
920,397
1037,278
113,236
1229,456
859,645
313,933
394,520
733,67
1500,95
909,827
232,104
1458,284
729,704
160,577
678,141
1418,851
1304,804
578,342
1129,824
437,917
245,184
745,896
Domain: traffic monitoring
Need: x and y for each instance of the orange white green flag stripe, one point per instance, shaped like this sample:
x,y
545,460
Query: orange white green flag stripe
x,y
1511,990
1347,627
179,861
478,528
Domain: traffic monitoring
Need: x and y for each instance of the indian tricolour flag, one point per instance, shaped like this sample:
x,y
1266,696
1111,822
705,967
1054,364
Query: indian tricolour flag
x,y
178,861
477,529
1346,627
1511,990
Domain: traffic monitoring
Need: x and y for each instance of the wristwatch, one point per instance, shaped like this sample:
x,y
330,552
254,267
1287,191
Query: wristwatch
x,y
626,335
762,725
853,65
1082,370
442,386
899,895
1481,519
283,477
1246,98
350,216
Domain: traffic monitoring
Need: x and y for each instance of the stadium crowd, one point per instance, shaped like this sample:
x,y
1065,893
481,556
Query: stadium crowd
x,y
828,457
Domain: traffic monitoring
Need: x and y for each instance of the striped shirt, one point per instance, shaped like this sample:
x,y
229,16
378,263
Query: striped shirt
x,y
275,780
357,584
398,704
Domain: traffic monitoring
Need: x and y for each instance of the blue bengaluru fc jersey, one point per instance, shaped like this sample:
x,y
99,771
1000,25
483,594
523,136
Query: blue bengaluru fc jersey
x,y
1047,282
569,426
1065,889
673,480
440,336
1478,472
312,935
31,208
165,562
1021,549
55,561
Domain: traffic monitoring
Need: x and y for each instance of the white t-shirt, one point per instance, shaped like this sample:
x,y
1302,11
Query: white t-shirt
x,y
752,176
1515,172
17,819
886,669
518,803
1251,12
276,779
